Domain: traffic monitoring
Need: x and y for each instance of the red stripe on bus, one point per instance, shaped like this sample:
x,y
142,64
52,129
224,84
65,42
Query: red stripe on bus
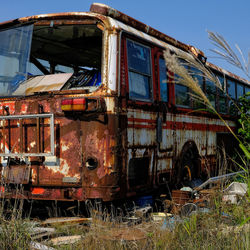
x,y
179,125
196,126
141,126
131,119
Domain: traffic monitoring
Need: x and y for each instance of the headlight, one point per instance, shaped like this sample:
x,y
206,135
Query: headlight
x,y
91,163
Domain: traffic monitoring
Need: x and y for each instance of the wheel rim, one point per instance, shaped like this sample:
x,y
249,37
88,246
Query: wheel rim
x,y
187,173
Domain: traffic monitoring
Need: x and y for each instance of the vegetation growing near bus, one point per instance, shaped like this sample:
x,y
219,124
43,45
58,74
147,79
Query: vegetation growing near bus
x,y
226,52
243,105
244,130
14,229
178,63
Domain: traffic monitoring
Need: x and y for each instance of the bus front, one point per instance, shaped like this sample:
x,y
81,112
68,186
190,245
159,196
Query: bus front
x,y
57,127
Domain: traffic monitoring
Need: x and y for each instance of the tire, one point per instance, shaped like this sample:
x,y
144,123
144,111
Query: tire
x,y
188,167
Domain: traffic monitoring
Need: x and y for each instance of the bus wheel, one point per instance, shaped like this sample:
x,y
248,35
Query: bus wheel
x,y
188,167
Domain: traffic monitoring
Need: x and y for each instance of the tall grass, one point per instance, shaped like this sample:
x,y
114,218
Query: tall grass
x,y
176,63
14,229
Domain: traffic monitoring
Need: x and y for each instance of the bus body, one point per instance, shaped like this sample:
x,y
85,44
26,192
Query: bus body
x,y
87,110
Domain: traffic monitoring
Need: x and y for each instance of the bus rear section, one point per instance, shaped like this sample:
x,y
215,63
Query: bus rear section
x,y
57,130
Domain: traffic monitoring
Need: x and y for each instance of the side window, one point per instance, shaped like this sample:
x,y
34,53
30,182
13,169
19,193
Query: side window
x,y
231,89
240,90
198,75
139,71
222,98
163,80
247,90
232,93
211,92
182,96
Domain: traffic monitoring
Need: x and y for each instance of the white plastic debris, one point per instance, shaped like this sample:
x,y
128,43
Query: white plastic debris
x,y
186,189
236,188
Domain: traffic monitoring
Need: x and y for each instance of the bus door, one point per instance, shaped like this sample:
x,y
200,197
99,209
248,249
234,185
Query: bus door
x,y
141,117
165,133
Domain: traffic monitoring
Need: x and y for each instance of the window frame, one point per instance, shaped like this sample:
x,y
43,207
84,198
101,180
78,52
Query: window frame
x,y
150,77
158,58
189,106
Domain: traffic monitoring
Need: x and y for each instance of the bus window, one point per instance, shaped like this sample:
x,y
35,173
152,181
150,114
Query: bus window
x,y
232,95
211,92
231,89
14,57
247,90
139,71
222,98
240,90
163,80
181,95
198,76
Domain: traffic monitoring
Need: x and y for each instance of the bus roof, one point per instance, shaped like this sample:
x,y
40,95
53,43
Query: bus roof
x,y
113,13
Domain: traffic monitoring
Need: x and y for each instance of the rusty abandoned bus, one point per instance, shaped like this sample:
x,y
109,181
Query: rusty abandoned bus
x,y
87,110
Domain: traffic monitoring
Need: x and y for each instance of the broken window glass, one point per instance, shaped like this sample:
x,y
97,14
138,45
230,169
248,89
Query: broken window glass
x,y
37,50
15,46
139,67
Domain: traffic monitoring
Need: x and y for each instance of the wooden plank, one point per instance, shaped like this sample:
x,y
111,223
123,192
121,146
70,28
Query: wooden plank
x,y
40,232
65,240
66,220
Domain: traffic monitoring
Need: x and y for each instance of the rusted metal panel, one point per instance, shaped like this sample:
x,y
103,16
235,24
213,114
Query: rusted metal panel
x,y
17,174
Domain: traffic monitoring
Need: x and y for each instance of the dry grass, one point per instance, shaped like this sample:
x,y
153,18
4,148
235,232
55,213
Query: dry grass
x,y
220,228
225,51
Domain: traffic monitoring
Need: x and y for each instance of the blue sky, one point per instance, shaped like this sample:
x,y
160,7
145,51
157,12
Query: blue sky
x,y
186,21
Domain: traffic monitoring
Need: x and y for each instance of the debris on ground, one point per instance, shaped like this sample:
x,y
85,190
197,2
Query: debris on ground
x,y
160,216
234,191
180,197
220,178
143,212
65,240
133,220
182,205
41,232
38,246
66,220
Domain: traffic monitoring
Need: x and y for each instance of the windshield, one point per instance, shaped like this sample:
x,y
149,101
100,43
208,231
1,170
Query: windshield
x,y
15,47
30,53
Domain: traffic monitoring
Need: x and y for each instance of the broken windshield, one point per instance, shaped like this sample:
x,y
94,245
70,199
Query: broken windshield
x,y
50,50
15,47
